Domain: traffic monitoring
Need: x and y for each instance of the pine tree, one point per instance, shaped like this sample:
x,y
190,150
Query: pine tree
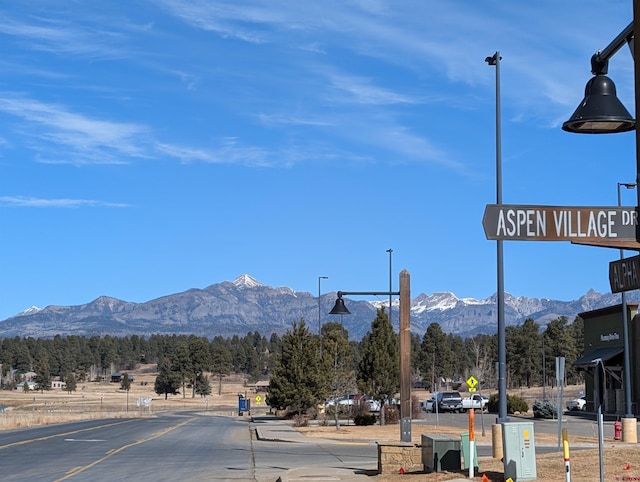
x,y
203,385
220,360
379,367
43,376
436,356
125,382
168,380
337,362
296,383
70,382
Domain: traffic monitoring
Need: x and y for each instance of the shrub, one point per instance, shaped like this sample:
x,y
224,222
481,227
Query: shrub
x,y
391,414
364,419
514,404
300,420
546,409
416,410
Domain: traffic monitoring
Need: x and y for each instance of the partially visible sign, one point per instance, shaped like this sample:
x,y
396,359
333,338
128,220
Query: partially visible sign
x,y
623,274
560,370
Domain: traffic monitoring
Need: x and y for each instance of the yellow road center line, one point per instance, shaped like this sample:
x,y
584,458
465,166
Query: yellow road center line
x,y
39,439
77,470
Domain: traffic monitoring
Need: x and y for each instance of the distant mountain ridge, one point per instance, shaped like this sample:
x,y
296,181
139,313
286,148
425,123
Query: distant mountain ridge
x,y
246,305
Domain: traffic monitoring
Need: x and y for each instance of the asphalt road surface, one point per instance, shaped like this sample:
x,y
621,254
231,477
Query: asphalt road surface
x,y
170,447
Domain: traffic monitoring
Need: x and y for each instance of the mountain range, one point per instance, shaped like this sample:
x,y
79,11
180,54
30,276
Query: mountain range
x,y
245,305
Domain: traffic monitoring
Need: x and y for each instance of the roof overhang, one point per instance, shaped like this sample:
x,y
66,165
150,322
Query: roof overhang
x,y
604,354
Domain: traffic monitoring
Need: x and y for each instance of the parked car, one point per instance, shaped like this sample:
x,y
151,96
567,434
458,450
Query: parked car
x,y
577,404
374,405
475,402
428,405
354,400
450,402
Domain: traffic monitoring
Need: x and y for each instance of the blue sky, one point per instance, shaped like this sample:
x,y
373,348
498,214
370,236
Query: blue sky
x,y
149,147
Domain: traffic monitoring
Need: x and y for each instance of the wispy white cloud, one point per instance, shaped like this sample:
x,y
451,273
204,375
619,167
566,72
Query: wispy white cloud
x,y
33,202
229,151
292,119
79,135
63,37
226,19
362,91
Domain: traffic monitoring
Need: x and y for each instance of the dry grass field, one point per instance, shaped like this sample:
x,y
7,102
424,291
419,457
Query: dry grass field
x,y
105,399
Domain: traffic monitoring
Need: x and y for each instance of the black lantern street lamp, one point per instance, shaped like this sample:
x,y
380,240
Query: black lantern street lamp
x,y
601,112
404,346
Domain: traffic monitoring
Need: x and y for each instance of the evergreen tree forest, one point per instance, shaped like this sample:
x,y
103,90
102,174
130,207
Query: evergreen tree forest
x,y
304,369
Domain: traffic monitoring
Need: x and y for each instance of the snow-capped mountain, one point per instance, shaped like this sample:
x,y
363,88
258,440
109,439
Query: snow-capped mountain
x,y
246,281
246,305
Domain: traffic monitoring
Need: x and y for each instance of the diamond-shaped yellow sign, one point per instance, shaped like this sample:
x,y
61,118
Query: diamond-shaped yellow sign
x,y
472,382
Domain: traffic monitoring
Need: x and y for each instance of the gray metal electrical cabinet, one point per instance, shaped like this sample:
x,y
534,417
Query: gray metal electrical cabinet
x,y
440,452
519,451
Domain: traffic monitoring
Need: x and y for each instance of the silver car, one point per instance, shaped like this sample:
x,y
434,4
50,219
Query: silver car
x,y
428,405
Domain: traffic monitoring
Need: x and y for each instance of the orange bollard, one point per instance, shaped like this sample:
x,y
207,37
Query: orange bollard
x,y
471,441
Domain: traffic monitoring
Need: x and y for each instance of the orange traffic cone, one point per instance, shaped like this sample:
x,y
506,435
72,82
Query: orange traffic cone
x,y
485,478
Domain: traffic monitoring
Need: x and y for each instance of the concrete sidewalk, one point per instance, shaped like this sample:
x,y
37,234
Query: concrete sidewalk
x,y
276,430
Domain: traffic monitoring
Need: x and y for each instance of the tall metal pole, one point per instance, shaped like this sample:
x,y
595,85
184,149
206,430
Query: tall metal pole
x,y
636,49
390,284
502,350
320,322
599,363
625,329
544,372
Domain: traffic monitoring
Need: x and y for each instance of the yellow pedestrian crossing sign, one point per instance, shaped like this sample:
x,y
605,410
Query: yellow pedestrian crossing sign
x,y
472,383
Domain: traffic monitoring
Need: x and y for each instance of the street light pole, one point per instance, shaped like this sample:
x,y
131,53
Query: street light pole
x,y
390,284
502,350
599,363
625,329
319,321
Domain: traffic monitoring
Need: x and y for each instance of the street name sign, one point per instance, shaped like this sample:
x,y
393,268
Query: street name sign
x,y
559,223
623,274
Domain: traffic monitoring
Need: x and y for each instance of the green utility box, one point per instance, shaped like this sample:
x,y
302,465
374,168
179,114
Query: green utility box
x,y
440,452
519,450
466,452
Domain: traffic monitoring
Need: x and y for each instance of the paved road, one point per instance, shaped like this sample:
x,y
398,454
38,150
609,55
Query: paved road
x,y
173,446
168,447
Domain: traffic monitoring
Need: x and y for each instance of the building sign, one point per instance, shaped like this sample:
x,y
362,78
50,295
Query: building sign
x,y
610,337
556,223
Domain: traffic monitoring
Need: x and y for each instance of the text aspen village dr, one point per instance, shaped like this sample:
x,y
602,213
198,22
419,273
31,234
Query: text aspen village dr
x,y
553,223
